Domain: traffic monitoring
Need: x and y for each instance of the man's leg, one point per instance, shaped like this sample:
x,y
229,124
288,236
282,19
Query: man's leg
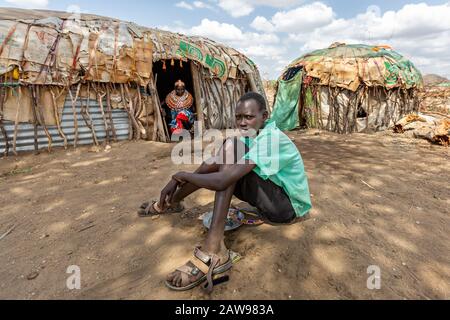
x,y
233,151
214,243
227,151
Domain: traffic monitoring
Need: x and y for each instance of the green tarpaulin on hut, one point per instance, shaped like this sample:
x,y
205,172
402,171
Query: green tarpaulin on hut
x,y
285,112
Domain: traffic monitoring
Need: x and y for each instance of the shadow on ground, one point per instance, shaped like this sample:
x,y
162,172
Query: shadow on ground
x,y
378,200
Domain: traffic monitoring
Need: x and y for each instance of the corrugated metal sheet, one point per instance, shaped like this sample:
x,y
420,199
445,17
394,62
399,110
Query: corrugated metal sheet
x,y
25,135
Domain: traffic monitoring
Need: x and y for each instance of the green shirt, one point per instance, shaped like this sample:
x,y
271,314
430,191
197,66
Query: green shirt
x,y
278,159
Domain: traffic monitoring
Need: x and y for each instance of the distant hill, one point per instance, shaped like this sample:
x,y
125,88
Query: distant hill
x,y
434,79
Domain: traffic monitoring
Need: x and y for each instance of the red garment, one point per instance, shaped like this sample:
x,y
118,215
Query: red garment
x,y
179,119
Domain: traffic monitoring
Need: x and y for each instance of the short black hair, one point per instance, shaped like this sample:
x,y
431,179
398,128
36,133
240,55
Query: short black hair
x,y
260,100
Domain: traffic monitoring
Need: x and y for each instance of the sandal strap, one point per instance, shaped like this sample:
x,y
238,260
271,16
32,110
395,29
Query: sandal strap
x,y
186,272
186,269
202,260
200,255
215,260
150,210
211,262
201,266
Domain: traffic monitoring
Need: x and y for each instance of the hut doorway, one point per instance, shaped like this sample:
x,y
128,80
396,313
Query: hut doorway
x,y
166,74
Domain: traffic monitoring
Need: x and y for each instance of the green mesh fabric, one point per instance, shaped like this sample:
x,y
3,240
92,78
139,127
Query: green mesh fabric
x,y
310,114
285,111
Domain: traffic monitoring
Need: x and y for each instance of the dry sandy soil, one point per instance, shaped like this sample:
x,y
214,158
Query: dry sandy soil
x,y
378,200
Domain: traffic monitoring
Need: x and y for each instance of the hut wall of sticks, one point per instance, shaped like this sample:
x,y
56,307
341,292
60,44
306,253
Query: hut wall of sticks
x,y
346,89
71,79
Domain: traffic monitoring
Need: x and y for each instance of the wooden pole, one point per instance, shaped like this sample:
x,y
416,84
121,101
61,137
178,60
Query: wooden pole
x,y
35,121
87,116
74,111
111,120
39,107
16,122
3,93
131,111
158,116
252,82
166,130
198,95
56,114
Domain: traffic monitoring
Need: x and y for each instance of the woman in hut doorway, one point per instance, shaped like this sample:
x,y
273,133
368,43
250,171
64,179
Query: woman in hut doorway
x,y
179,109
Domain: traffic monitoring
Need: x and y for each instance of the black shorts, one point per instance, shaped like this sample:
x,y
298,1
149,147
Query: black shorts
x,y
270,199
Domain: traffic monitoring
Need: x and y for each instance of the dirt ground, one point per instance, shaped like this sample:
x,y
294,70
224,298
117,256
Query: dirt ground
x,y
378,199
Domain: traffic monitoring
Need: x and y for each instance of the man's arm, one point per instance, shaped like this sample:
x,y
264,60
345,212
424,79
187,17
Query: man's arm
x,y
168,192
217,181
209,167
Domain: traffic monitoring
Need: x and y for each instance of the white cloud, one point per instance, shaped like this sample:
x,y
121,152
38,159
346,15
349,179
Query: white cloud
x,y
420,32
412,26
300,20
184,5
303,19
241,8
217,31
412,20
264,51
236,8
29,3
262,24
195,5
231,35
201,5
277,3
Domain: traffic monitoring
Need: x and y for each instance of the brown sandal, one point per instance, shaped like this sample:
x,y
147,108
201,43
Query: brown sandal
x,y
148,209
205,263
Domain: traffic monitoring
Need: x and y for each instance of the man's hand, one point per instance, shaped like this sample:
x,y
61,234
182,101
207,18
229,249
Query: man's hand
x,y
167,194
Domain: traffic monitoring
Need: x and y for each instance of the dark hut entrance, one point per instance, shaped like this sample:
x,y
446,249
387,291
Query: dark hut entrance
x,y
166,74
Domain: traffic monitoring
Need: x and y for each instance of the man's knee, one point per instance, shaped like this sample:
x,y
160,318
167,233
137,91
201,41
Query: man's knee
x,y
234,151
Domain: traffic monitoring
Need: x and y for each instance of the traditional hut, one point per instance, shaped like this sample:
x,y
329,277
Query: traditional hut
x,y
72,79
346,89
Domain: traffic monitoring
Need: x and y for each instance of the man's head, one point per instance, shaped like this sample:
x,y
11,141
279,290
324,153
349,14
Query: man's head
x,y
251,113
180,88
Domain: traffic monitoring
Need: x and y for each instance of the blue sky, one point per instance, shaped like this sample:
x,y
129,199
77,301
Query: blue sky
x,y
273,32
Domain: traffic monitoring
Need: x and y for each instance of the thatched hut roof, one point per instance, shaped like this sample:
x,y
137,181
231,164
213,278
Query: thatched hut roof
x,y
349,66
49,47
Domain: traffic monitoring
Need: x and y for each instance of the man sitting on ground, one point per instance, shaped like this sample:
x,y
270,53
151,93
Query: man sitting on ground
x,y
263,168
